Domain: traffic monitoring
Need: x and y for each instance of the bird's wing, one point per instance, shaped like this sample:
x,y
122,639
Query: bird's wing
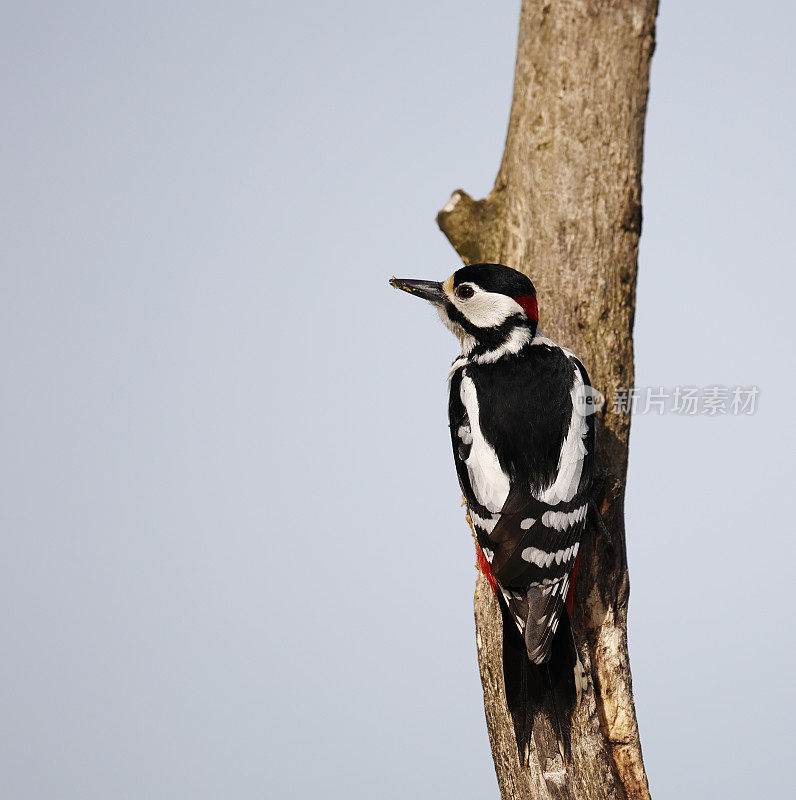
x,y
529,534
540,528
536,546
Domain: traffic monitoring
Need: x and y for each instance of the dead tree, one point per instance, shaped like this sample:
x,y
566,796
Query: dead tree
x,y
566,210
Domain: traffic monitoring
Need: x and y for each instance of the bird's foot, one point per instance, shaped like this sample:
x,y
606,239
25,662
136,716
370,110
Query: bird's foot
x,y
599,522
606,490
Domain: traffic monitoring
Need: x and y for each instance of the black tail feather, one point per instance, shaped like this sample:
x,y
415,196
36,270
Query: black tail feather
x,y
541,699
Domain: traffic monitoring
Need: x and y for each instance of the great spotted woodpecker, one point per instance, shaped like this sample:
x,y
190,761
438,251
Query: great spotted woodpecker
x,y
523,443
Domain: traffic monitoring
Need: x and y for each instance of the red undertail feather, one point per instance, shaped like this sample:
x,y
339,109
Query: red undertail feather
x,y
486,570
571,593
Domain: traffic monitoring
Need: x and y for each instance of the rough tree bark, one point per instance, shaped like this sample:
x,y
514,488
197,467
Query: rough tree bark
x,y
566,210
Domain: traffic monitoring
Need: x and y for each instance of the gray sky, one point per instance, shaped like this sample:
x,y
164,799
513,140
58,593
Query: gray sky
x,y
233,559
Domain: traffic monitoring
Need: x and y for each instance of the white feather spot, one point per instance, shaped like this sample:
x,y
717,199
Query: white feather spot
x,y
544,559
561,520
534,556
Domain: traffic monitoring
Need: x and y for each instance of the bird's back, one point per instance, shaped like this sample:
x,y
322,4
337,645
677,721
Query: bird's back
x,y
523,452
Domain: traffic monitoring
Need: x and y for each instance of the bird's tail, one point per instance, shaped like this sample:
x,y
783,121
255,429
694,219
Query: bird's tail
x,y
542,699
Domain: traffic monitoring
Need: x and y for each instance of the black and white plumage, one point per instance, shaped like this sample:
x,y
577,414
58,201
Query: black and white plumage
x,y
523,441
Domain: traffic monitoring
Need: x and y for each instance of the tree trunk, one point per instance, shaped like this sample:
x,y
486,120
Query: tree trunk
x,y
566,210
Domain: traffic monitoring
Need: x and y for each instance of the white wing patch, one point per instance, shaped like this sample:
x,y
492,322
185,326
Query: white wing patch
x,y
573,451
490,484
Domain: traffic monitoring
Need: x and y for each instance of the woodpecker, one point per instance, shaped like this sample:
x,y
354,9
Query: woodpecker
x,y
522,431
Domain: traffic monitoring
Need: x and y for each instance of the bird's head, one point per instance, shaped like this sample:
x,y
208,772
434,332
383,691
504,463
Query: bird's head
x,y
490,308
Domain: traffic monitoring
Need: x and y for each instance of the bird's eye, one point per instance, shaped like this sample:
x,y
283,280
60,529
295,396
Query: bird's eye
x,y
464,292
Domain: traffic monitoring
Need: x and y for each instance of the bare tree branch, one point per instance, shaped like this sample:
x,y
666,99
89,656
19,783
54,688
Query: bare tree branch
x,y
566,210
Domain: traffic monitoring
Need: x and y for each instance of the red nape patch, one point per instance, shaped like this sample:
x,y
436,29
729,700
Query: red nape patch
x,y
529,306
486,570
571,593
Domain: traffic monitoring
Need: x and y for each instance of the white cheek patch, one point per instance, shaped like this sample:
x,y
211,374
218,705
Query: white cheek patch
x,y
487,309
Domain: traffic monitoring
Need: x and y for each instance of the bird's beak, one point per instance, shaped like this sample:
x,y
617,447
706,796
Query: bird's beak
x,y
428,290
